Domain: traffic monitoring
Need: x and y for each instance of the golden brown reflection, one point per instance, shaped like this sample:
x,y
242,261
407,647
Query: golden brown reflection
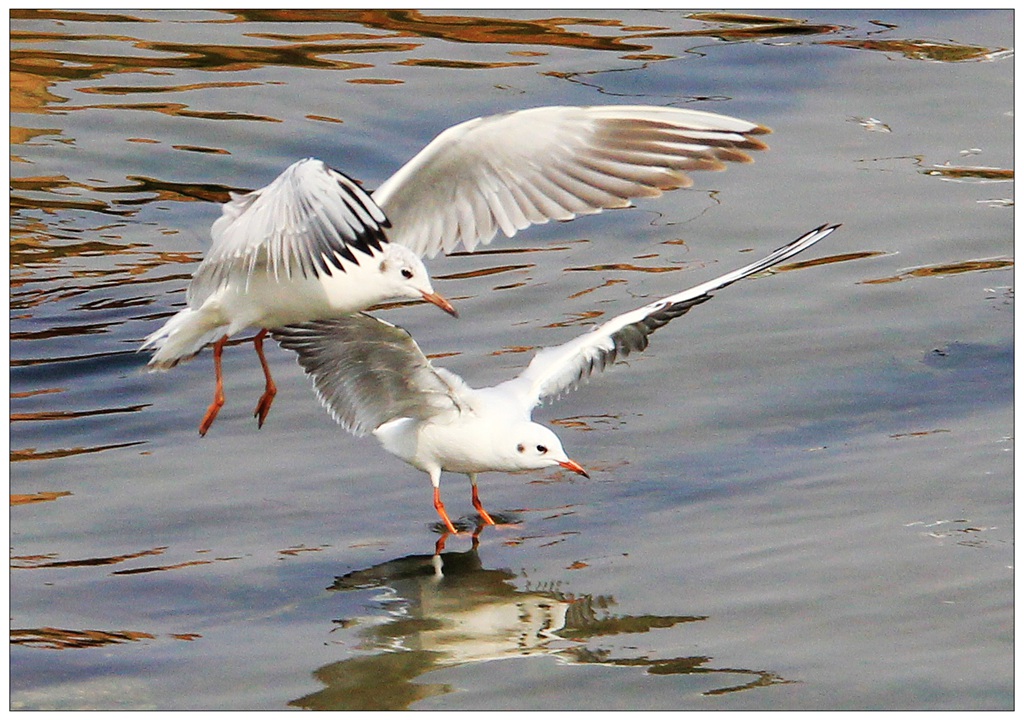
x,y
35,71
923,49
944,269
136,89
51,638
461,64
59,639
37,497
38,391
176,110
33,562
483,272
36,562
72,414
483,252
24,454
586,422
606,283
513,350
176,56
581,318
460,28
747,26
163,568
446,610
828,260
624,266
72,16
48,193
919,433
200,149
969,173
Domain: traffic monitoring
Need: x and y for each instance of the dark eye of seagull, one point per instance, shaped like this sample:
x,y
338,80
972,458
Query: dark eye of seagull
x,y
407,273
541,449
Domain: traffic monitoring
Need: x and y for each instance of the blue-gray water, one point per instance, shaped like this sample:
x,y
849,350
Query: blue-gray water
x,y
800,495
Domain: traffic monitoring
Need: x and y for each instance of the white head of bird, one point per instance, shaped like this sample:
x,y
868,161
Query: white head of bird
x,y
531,446
403,275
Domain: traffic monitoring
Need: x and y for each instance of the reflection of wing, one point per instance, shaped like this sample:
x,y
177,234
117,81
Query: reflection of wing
x,y
305,221
557,369
366,371
506,172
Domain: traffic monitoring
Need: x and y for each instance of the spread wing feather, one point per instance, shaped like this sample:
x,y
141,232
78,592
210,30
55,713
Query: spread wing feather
x,y
506,172
307,221
561,368
366,371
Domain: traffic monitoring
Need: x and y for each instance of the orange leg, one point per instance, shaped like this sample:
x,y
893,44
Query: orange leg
x,y
267,399
439,506
477,504
218,394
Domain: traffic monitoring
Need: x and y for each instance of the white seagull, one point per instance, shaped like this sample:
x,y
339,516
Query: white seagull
x,y
313,245
373,377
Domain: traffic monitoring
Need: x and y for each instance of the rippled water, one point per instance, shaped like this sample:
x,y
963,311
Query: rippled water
x,y
801,495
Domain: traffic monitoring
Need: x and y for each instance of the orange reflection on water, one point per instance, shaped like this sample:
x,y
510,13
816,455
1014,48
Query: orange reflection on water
x,y
945,269
628,267
60,639
46,496
924,49
36,454
46,561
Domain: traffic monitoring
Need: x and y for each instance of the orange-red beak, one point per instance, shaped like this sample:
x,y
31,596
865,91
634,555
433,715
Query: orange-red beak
x,y
575,467
436,299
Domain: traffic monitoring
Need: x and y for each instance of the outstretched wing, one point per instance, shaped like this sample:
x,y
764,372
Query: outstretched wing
x,y
306,221
560,368
506,172
366,371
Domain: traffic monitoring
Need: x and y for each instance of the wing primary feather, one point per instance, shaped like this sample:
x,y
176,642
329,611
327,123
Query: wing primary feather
x,y
557,369
616,152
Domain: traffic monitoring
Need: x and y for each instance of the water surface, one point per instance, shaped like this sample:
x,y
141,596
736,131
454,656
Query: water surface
x,y
800,496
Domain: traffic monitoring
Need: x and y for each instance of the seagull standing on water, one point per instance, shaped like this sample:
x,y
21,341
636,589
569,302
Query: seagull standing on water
x,y
373,377
313,245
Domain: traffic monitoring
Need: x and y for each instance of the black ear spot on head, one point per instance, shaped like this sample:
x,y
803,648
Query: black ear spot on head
x,y
520,448
383,266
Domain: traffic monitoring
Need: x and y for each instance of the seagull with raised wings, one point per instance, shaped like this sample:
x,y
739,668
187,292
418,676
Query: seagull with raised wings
x,y
313,245
373,378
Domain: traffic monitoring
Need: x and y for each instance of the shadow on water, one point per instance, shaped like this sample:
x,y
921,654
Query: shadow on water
x,y
447,609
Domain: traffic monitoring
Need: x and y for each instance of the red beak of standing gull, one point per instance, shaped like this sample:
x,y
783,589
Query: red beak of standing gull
x,y
575,467
436,299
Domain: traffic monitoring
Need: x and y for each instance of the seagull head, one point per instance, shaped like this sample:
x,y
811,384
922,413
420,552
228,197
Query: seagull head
x,y
533,447
405,276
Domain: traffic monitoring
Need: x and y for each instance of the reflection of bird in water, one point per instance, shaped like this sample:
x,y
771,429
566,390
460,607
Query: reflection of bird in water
x,y
448,610
373,377
312,244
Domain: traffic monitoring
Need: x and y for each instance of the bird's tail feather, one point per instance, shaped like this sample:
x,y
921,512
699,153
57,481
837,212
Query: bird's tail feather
x,y
181,338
